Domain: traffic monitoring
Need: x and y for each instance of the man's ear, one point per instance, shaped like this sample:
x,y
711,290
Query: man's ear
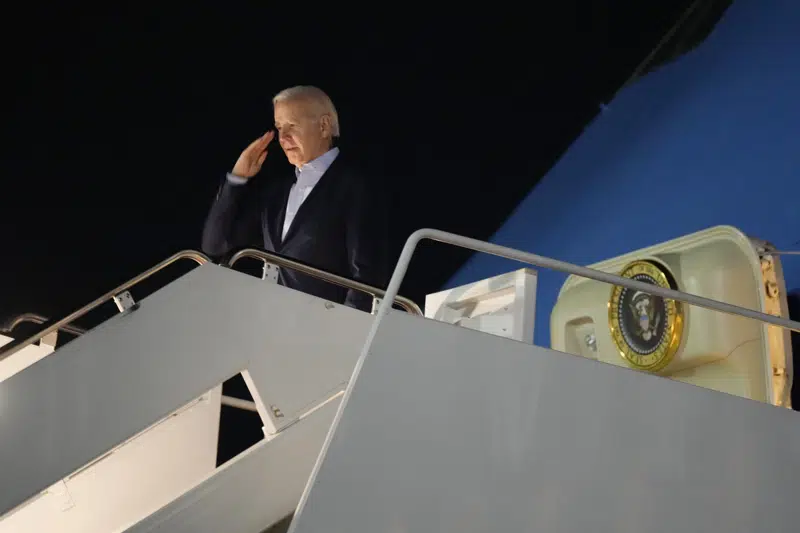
x,y
325,126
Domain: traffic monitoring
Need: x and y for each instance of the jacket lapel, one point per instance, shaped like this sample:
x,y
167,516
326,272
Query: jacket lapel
x,y
275,212
310,204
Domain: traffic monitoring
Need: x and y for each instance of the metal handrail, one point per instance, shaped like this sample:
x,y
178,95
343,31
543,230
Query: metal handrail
x,y
342,281
568,268
38,319
17,345
238,403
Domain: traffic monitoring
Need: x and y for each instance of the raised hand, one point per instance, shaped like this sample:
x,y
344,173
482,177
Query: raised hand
x,y
249,163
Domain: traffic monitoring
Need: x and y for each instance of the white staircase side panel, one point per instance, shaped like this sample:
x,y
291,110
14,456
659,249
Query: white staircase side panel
x,y
448,429
126,374
253,491
134,480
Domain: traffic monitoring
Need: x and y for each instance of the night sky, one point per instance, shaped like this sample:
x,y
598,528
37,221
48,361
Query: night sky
x,y
122,121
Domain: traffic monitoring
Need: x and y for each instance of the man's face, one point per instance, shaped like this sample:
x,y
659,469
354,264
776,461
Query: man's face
x,y
302,134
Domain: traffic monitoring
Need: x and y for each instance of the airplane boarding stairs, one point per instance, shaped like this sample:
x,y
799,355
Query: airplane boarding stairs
x,y
438,428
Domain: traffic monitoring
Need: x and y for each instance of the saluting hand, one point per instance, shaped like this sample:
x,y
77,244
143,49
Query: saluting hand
x,y
249,163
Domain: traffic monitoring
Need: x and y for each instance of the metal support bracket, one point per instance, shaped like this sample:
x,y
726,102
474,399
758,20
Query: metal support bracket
x,y
276,411
376,303
125,302
270,272
51,339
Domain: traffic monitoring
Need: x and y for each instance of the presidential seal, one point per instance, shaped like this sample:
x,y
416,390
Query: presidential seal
x,y
646,329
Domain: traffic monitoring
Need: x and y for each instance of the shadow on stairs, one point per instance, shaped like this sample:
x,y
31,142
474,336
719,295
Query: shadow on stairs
x,y
280,527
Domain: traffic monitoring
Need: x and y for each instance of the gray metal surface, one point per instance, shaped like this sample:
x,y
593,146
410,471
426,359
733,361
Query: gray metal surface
x,y
448,429
136,368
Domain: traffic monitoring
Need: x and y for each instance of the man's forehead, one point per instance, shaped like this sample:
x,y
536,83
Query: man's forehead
x,y
294,108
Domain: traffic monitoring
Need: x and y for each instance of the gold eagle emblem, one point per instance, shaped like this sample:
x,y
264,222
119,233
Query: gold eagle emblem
x,y
646,329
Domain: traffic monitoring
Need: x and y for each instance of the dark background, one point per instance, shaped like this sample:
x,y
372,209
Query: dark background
x,y
123,119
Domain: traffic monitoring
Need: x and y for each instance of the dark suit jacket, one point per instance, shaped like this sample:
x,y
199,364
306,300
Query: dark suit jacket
x,y
341,227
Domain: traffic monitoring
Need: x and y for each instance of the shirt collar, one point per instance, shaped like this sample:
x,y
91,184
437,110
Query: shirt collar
x,y
310,173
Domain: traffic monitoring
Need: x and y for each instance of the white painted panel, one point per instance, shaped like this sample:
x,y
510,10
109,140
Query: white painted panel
x,y
448,429
721,351
131,482
503,305
255,490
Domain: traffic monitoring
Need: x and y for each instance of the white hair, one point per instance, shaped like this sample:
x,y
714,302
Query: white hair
x,y
317,96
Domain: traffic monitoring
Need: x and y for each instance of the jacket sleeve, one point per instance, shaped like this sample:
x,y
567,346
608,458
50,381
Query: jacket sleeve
x,y
366,236
232,220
